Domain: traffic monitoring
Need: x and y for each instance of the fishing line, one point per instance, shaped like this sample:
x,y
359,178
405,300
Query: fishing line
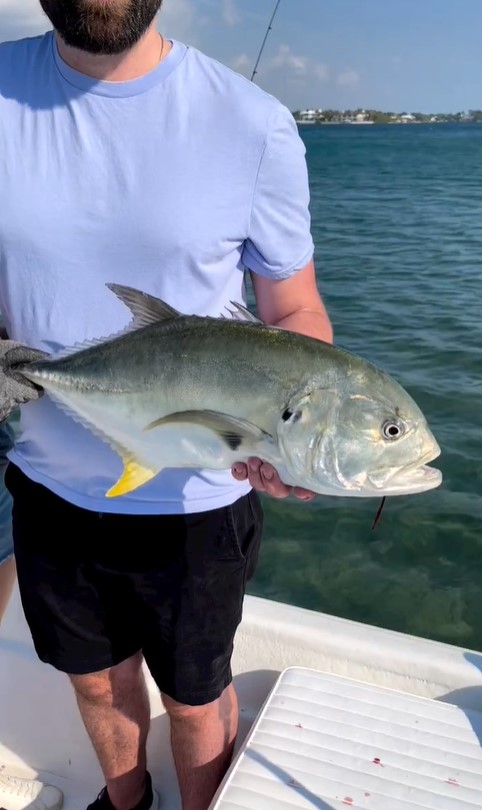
x,y
269,28
378,515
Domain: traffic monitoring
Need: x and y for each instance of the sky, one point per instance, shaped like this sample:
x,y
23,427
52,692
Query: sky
x,y
393,55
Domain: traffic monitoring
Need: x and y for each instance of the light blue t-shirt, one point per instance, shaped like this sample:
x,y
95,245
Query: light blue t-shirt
x,y
173,183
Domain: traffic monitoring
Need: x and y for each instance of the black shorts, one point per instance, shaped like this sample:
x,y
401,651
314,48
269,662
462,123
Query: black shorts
x,y
97,588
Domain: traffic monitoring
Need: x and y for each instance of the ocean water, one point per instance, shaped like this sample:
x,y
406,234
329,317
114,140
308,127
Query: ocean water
x,y
397,222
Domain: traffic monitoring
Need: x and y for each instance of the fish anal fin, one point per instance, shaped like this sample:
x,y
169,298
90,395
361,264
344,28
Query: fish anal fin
x,y
133,476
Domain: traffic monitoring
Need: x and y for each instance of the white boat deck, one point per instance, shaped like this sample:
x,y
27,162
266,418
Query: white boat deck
x,y
360,694
324,742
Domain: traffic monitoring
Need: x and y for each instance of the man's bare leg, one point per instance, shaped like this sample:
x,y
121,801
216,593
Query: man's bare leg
x,y
7,578
202,739
114,705
14,791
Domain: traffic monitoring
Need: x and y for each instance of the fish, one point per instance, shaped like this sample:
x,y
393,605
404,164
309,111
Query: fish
x,y
175,390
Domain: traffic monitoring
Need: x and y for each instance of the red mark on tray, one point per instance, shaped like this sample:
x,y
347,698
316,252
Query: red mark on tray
x,y
377,761
452,781
348,800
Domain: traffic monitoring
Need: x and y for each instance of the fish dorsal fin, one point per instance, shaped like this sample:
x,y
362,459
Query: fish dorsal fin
x,y
241,313
77,347
146,309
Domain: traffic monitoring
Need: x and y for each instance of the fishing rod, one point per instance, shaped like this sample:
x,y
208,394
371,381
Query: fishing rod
x,y
269,28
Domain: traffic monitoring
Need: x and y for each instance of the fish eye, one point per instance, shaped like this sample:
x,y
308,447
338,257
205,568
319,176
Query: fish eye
x,y
392,430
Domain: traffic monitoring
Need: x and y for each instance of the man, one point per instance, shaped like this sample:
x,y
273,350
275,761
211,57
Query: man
x,y
130,158
16,793
7,564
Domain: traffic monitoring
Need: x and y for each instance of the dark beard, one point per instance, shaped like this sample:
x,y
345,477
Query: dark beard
x,y
101,28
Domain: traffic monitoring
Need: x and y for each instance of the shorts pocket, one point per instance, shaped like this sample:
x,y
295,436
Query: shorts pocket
x,y
245,522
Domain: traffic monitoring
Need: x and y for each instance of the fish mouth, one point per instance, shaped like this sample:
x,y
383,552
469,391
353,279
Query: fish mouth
x,y
421,479
417,477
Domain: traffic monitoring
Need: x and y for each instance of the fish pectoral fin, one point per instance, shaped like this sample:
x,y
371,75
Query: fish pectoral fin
x,y
232,429
134,475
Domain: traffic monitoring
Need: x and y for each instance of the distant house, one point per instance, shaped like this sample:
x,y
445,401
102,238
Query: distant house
x,y
361,117
307,116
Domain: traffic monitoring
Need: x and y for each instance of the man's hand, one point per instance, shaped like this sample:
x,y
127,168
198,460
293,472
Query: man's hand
x,y
264,478
14,388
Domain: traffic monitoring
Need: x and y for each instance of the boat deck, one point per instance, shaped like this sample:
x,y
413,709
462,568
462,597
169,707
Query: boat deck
x,y
325,742
369,719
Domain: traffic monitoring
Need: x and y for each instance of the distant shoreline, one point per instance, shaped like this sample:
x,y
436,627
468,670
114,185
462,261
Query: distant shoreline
x,y
366,117
379,123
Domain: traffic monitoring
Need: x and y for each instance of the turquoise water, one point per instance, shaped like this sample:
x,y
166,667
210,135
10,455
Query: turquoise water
x,y
397,222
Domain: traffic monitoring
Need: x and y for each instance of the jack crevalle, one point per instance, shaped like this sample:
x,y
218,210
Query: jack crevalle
x,y
176,390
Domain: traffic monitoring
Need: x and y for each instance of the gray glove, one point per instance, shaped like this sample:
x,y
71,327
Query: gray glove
x,y
15,389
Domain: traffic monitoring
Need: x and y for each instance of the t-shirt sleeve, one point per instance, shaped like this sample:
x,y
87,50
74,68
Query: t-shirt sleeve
x,y
279,240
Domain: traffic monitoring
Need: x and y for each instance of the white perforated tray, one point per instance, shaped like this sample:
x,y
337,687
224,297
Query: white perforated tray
x,y
323,742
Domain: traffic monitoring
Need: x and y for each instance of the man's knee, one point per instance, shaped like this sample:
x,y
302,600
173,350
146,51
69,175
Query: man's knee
x,y
106,686
194,714
181,711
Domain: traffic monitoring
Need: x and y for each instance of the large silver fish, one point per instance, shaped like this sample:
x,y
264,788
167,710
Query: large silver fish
x,y
177,390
